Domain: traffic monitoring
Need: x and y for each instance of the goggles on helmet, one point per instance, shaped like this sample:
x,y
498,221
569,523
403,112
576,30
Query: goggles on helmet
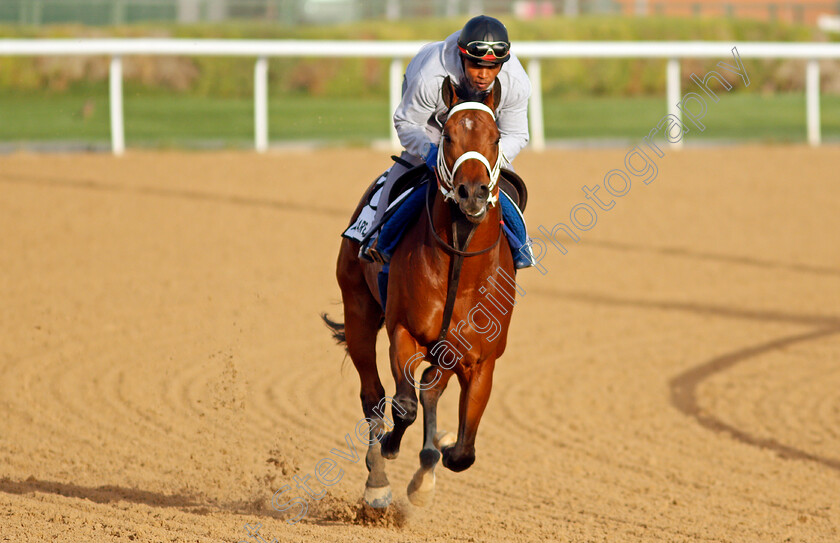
x,y
486,50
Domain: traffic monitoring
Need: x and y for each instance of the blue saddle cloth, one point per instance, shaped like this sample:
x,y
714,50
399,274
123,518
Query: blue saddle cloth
x,y
409,210
404,216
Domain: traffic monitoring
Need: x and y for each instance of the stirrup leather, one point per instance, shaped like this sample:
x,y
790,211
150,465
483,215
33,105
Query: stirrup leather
x,y
374,254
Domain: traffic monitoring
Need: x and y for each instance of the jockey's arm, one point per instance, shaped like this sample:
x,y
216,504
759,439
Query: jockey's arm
x,y
420,102
512,116
417,107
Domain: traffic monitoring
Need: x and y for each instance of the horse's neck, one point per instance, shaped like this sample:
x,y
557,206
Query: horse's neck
x,y
485,232
442,217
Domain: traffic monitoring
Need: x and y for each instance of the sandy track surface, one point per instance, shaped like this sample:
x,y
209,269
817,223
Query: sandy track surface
x,y
163,370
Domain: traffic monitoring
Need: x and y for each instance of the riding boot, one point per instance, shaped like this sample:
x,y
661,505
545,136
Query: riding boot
x,y
513,224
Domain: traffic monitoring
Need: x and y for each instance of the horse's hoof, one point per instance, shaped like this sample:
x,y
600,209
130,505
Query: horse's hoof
x,y
378,498
444,439
421,489
456,463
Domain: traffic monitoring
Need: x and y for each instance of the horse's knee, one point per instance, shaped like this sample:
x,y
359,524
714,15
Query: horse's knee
x,y
390,445
406,414
456,460
370,400
404,410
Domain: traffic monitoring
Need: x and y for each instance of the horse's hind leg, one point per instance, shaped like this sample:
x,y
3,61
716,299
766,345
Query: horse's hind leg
x,y
362,320
422,487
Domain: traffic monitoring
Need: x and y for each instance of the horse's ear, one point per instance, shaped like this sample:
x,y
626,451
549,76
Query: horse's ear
x,y
448,92
495,96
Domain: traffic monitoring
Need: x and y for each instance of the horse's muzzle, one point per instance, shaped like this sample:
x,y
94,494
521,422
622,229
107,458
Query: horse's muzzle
x,y
472,200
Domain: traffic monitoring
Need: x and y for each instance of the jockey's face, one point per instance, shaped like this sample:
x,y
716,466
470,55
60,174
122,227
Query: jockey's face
x,y
480,77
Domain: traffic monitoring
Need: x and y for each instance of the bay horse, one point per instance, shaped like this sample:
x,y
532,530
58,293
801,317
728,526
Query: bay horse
x,y
462,212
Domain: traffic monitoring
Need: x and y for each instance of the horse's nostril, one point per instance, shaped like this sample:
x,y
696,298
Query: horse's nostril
x,y
483,192
463,193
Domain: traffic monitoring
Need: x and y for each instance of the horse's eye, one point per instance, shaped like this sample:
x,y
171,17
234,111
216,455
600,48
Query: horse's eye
x,y
446,137
498,140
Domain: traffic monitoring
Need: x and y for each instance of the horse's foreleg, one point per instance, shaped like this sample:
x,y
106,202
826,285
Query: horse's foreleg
x,y
422,486
475,391
377,488
406,355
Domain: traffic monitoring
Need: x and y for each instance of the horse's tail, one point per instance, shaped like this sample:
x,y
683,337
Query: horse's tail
x,y
337,329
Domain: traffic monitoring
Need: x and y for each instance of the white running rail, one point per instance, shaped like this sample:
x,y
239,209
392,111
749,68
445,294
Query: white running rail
x,y
398,51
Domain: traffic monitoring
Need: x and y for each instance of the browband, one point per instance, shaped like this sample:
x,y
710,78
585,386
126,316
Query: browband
x,y
471,105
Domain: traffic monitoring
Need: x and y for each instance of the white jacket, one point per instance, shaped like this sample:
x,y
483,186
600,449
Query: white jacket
x,y
416,118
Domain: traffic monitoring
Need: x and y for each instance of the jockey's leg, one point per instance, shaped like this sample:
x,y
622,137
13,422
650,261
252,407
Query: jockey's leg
x,y
395,172
516,233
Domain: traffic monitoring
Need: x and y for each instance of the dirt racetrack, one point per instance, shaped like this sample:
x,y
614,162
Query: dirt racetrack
x,y
163,370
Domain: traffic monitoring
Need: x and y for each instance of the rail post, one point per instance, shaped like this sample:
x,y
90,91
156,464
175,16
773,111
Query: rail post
x,y
395,74
116,103
535,111
673,93
812,101
261,105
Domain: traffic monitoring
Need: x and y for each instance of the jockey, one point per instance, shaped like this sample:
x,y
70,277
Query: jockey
x,y
474,58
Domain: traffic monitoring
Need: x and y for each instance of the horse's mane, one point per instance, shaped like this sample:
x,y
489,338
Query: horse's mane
x,y
469,94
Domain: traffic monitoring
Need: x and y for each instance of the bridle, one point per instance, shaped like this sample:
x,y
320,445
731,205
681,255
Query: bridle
x,y
446,176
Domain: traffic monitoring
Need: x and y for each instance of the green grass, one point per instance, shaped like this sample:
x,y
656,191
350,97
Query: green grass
x,y
738,116
158,119
171,120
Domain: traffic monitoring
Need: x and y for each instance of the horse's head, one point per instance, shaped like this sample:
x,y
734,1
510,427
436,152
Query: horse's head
x,y
469,156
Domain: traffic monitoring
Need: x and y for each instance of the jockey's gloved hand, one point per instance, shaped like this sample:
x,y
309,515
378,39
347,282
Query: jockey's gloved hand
x,y
431,156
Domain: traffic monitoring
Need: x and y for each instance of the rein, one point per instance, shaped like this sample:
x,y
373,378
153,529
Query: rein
x,y
445,178
450,248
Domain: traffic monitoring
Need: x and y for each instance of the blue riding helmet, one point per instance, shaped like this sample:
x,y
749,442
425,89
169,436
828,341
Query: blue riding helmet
x,y
484,40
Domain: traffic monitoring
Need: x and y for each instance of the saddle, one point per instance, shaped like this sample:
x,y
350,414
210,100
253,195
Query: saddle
x,y
405,203
363,227
361,230
414,177
511,184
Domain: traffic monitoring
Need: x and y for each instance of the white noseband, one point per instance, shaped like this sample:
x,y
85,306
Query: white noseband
x,y
446,175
